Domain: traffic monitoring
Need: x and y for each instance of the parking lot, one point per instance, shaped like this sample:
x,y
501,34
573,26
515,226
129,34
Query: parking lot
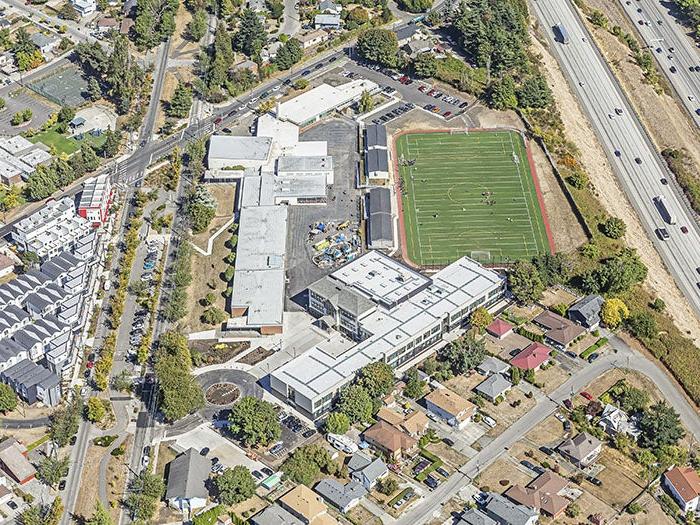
x,y
342,205
294,434
20,100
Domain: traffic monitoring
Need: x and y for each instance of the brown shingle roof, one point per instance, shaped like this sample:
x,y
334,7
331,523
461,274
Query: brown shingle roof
x,y
452,403
541,493
389,437
559,329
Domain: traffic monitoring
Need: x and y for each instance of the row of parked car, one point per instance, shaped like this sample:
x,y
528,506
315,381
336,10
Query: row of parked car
x,y
139,324
396,112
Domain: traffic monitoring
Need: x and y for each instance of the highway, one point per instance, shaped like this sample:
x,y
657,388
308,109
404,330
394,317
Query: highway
x,y
636,163
667,41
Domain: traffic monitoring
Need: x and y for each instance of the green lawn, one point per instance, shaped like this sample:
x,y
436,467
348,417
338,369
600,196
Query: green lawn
x,y
469,194
67,145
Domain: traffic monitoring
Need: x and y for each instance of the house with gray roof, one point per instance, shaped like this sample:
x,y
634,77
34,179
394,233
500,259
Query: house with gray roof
x,y
342,496
582,450
406,33
367,470
492,365
493,387
586,312
188,474
12,319
275,515
37,338
11,353
505,512
33,383
475,517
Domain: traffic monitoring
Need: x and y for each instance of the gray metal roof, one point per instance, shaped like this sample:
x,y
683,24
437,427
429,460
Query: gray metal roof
x,y
9,349
11,315
380,228
188,473
375,469
376,160
341,296
587,309
506,512
339,495
275,515
380,200
406,32
493,365
475,517
358,461
375,135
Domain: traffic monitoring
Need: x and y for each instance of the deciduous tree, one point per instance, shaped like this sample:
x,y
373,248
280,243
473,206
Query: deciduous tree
x,y
254,422
234,485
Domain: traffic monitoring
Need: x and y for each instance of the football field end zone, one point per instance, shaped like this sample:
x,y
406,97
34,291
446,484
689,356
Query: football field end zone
x,y
399,198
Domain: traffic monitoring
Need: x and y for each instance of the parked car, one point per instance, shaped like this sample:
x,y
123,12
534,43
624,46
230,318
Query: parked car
x,y
593,357
277,448
267,471
431,482
546,450
597,482
204,451
12,505
257,475
568,404
571,354
421,466
442,472
448,442
309,433
62,485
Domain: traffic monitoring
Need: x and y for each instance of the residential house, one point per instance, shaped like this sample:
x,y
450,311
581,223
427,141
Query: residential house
x,y
269,52
407,33
107,24
499,329
330,7
543,494
586,312
13,460
342,496
307,506
494,387
186,481
327,22
615,421
414,424
506,512
5,493
450,406
33,383
366,470
684,485
46,43
390,440
532,357
475,517
418,46
96,199
312,38
256,5
7,265
581,450
559,331
275,515
492,365
85,7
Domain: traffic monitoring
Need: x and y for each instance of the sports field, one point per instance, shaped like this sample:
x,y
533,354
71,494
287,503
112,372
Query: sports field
x,y
468,194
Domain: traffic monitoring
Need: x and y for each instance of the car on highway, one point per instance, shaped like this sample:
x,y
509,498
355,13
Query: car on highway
x,y
664,181
672,69
684,229
254,100
662,234
332,59
318,66
618,153
638,160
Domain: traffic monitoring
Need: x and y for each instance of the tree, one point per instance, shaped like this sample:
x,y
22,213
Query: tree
x,y
93,89
554,268
289,54
376,378
234,485
415,6
254,422
525,282
89,157
387,486
464,354
100,516
366,102
660,426
355,403
95,409
379,45
179,106
155,21
534,93
197,27
613,227
613,312
425,65
515,375
52,469
642,325
8,398
632,399
358,16
201,208
300,84
180,393
480,318
112,143
275,8
415,387
501,94
572,510
306,463
64,422
615,275
214,316
250,37
337,423
68,12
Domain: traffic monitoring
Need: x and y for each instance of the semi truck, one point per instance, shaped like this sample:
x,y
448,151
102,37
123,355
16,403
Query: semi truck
x,y
561,34
664,209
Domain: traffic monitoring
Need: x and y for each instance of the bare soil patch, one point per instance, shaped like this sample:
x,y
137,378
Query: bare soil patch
x,y
621,484
548,431
169,85
607,190
256,356
214,353
88,492
448,454
557,295
222,394
182,48
165,456
359,514
463,385
502,470
249,507
117,470
652,514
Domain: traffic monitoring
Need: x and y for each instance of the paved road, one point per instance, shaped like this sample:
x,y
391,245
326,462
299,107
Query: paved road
x,y
632,155
625,357
158,80
77,460
79,34
290,22
668,42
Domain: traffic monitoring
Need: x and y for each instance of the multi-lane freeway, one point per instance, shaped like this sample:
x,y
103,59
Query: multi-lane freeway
x,y
674,51
639,168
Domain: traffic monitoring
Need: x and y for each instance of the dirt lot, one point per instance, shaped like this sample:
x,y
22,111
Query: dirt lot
x,y
181,48
652,515
256,356
505,414
557,295
448,455
658,281
88,494
361,515
546,433
525,312
635,379
583,344
207,277
451,507
165,456
463,385
662,115
621,484
26,436
213,353
502,470
552,378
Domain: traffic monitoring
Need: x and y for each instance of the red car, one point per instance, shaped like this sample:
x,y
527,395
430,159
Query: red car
x,y
403,79
422,88
684,229
447,114
89,364
587,395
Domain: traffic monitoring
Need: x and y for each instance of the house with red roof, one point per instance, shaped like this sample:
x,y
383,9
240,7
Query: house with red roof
x,y
499,328
531,357
684,485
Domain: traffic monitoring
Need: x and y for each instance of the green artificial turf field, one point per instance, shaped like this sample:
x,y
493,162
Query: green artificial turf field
x,y
468,194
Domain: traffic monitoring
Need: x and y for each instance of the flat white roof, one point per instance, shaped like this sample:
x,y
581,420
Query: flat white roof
x,y
285,134
35,157
312,186
304,164
309,148
15,145
322,99
233,148
318,371
95,192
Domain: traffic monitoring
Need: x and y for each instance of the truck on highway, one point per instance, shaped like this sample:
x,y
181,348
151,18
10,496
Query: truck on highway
x,y
664,209
561,34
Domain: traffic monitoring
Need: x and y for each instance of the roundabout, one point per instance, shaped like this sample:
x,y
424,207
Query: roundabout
x,y
222,394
